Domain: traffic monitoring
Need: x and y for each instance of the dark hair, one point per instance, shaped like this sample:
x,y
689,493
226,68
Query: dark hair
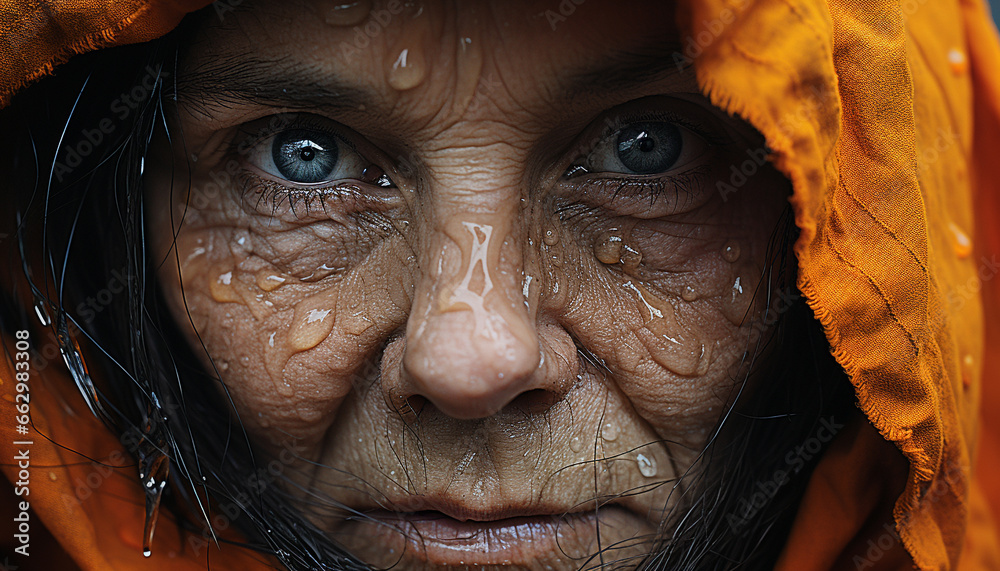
x,y
74,152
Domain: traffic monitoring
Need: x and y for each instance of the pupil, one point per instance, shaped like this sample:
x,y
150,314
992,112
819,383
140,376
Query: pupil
x,y
646,144
307,154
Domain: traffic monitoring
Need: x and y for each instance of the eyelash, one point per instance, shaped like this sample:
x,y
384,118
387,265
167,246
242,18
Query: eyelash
x,y
274,193
682,183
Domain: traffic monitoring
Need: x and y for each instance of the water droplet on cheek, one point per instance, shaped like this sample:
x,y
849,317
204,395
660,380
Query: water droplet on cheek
x,y
269,281
731,251
550,236
647,465
608,248
670,344
609,432
222,290
631,258
689,293
576,444
311,326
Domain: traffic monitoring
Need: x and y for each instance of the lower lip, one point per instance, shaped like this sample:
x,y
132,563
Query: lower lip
x,y
440,540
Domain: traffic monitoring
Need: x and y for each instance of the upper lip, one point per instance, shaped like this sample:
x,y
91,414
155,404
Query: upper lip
x,y
461,511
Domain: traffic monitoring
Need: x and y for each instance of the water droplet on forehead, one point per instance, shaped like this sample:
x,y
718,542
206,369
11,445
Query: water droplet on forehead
x,y
576,444
407,70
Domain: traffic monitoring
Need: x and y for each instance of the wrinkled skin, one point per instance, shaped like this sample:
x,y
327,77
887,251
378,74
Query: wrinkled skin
x,y
469,349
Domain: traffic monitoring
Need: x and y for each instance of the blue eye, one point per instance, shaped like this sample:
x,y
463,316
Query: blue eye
x,y
641,148
304,156
649,147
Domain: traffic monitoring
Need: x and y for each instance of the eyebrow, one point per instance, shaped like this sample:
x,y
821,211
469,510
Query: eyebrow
x,y
243,78
624,70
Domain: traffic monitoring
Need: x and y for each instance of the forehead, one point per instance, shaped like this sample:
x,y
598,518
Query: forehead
x,y
416,63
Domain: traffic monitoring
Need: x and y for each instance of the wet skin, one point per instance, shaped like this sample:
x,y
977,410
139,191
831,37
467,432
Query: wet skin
x,y
488,287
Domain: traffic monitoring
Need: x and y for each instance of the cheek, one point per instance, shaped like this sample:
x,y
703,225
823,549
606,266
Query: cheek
x,y
290,321
670,308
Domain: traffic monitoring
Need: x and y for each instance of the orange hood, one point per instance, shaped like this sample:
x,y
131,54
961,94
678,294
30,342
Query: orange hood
x,y
886,119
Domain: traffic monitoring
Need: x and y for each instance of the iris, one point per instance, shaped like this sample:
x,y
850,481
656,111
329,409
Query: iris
x,y
649,147
304,156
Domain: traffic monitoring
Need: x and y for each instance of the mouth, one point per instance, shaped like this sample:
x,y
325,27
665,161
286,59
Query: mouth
x,y
454,535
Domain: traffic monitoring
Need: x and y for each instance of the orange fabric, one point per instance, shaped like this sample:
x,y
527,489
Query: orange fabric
x,y
868,109
886,118
85,491
39,35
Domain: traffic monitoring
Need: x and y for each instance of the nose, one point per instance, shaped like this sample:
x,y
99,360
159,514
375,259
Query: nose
x,y
471,344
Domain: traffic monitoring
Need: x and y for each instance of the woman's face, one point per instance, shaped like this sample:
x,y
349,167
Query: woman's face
x,y
483,272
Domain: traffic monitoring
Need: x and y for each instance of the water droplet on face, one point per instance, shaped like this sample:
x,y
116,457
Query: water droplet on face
x,y
731,251
222,288
576,444
407,70
689,293
609,431
631,258
608,247
737,289
269,281
550,236
313,320
647,465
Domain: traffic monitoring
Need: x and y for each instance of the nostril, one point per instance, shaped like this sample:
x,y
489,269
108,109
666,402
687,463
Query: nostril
x,y
534,401
413,406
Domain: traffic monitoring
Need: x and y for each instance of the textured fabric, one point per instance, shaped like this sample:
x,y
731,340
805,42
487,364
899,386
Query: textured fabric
x,y
868,109
886,119
39,35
